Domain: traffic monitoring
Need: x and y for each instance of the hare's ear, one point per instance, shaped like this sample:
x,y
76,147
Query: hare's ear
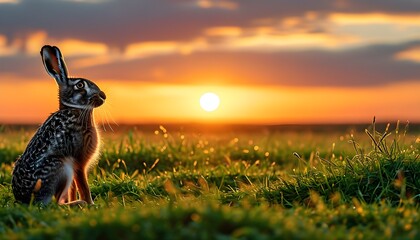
x,y
54,63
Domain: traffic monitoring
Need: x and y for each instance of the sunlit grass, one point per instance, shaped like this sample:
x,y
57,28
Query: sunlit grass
x,y
191,185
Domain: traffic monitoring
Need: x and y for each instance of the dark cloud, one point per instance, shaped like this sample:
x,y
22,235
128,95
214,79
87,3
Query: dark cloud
x,y
22,66
118,23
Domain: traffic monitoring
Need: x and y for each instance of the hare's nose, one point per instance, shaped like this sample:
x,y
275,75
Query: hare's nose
x,y
102,95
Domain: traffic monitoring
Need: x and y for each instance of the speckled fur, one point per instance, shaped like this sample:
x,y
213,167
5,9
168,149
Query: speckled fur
x,y
59,154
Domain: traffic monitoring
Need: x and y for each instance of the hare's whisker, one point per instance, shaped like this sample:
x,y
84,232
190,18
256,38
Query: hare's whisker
x,y
107,116
110,116
102,123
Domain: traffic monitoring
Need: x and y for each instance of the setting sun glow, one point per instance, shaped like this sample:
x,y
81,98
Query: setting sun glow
x,y
209,102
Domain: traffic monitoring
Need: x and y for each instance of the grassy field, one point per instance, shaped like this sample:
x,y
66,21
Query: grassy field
x,y
259,183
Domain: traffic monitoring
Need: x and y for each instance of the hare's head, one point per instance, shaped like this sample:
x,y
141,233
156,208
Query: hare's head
x,y
73,92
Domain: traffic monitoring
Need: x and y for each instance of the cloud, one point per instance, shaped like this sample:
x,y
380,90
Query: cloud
x,y
6,50
9,1
412,55
152,49
266,39
223,4
279,42
119,23
86,1
375,18
367,66
376,28
360,67
223,31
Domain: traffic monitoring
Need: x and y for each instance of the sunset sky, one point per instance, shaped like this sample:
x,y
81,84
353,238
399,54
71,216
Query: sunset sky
x,y
270,62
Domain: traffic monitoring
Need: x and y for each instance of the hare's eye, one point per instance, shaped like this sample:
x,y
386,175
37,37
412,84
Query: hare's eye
x,y
80,85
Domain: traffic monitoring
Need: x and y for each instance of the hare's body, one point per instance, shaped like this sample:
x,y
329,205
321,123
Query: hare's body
x,y
67,140
56,160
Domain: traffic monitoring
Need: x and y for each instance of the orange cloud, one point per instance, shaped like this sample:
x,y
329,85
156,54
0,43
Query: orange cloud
x,y
264,40
375,28
75,47
227,31
71,47
374,18
35,41
9,1
87,1
223,4
356,29
89,53
148,49
5,49
145,49
412,54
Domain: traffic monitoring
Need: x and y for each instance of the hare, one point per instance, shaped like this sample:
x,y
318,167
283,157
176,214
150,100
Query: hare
x,y
57,158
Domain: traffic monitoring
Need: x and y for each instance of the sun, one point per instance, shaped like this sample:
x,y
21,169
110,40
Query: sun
x,y
209,101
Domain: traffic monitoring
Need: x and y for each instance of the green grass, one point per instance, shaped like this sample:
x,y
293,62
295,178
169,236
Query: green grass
x,y
232,185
